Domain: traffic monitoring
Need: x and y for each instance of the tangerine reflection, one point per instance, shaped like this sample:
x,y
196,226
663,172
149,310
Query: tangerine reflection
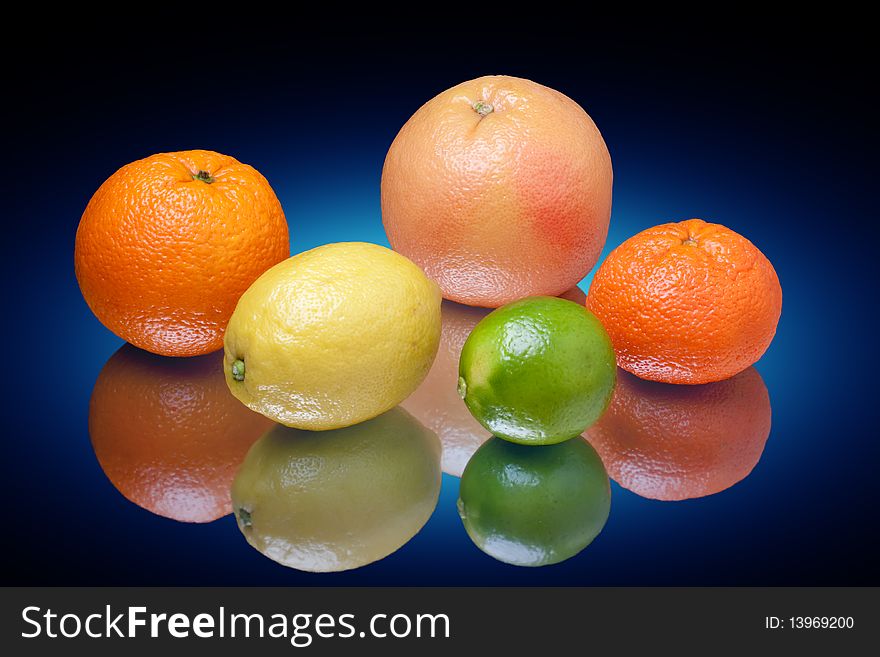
x,y
675,442
436,402
168,433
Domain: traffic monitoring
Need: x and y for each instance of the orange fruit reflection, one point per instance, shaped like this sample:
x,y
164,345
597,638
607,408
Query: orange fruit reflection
x,y
671,442
168,433
436,403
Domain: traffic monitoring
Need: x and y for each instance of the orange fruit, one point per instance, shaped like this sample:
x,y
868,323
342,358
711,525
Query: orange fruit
x,y
168,433
498,188
436,402
689,302
670,442
168,244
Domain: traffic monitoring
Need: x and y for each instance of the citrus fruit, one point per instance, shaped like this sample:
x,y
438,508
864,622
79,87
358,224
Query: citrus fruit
x,y
436,403
688,302
167,245
534,506
499,188
333,336
537,371
338,500
670,442
168,434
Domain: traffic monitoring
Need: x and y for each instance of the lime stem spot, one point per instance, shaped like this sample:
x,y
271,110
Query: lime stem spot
x,y
462,387
483,108
204,176
244,517
238,370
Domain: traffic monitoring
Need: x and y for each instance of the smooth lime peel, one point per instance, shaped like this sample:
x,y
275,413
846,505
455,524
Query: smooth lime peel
x,y
537,371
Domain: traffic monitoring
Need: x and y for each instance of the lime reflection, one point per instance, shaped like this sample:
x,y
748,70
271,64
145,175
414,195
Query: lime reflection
x,y
534,505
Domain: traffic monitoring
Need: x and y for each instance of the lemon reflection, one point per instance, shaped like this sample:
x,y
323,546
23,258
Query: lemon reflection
x,y
168,433
674,442
436,402
532,505
336,500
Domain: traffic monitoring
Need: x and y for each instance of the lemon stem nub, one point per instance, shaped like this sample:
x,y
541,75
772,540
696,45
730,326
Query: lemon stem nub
x,y
483,108
462,387
238,370
204,176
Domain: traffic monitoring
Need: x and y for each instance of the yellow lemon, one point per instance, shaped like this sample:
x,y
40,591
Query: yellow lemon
x,y
333,336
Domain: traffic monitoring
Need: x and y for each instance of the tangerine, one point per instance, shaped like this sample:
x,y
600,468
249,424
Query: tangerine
x,y
689,302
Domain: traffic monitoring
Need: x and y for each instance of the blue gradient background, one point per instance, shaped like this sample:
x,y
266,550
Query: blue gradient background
x,y
763,132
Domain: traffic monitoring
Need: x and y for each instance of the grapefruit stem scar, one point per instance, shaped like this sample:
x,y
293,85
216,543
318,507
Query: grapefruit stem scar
x,y
483,108
238,370
204,176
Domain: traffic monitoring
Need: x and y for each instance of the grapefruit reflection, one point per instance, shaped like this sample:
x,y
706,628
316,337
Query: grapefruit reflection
x,y
436,402
168,433
671,442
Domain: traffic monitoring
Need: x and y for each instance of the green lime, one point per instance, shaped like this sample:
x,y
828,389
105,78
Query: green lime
x,y
537,371
340,499
534,506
